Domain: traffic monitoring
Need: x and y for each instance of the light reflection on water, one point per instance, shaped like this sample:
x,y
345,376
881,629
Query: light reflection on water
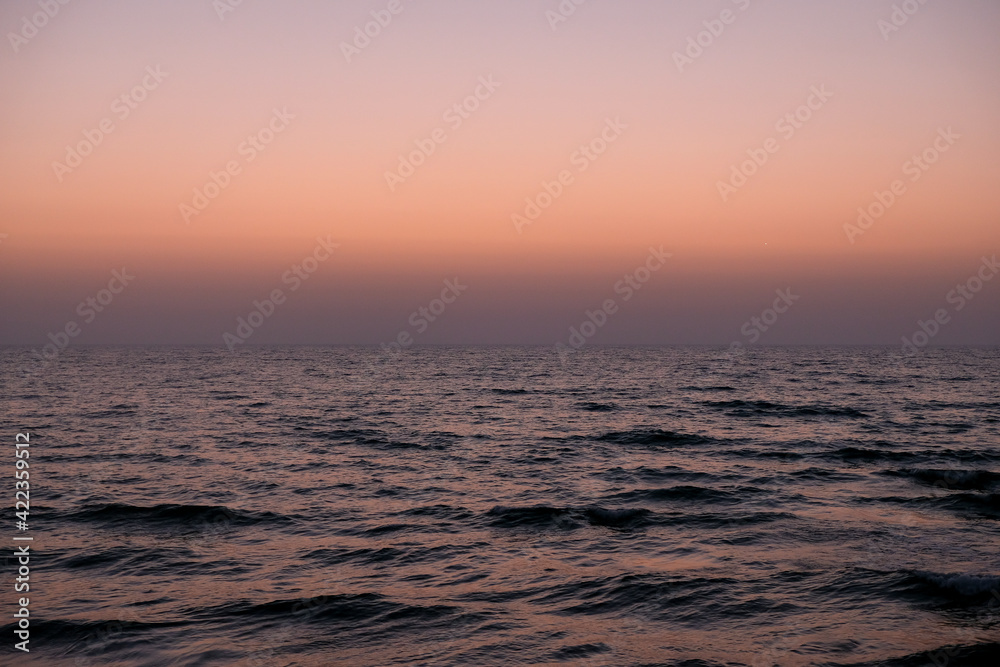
x,y
492,506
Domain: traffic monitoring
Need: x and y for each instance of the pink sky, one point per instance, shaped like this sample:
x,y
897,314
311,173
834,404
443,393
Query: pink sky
x,y
531,97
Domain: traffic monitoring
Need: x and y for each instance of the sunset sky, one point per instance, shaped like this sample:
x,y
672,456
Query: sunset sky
x,y
201,78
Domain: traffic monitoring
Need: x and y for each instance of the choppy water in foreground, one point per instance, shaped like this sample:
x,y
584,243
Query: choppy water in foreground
x,y
489,506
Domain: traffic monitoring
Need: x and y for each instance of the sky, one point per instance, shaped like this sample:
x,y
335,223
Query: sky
x,y
665,171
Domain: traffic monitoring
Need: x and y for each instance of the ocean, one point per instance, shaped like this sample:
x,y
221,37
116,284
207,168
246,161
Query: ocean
x,y
508,506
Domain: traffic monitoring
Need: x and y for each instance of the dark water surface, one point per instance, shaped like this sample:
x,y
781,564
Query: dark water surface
x,y
490,506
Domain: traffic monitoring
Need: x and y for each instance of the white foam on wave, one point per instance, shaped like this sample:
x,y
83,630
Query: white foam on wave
x,y
963,584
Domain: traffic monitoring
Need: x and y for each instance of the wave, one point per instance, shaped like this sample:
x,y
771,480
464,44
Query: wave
x,y
591,406
617,518
82,635
374,438
572,518
699,494
962,480
389,445
765,454
682,598
502,516
766,408
654,437
973,504
824,474
980,504
227,395
439,512
716,388
868,454
578,652
350,608
878,381
202,517
120,410
920,588
871,453
971,655
726,520
352,434
961,585
566,518
134,562
397,555
645,473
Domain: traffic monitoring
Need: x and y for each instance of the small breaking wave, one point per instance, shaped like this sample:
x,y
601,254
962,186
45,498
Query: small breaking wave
x,y
962,585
